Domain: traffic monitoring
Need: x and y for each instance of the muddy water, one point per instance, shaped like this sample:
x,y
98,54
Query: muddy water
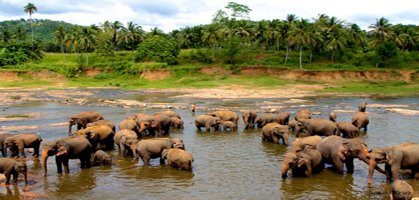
x,y
228,165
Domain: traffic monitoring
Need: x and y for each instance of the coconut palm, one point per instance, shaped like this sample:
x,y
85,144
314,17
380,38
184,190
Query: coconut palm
x,y
286,28
59,36
380,31
116,26
133,35
30,8
210,37
299,36
86,41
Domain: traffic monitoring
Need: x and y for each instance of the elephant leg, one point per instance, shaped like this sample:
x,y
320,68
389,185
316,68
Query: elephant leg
x,y
349,163
275,139
395,171
22,152
36,150
58,162
388,171
145,160
8,175
122,150
338,164
162,161
65,164
79,126
15,175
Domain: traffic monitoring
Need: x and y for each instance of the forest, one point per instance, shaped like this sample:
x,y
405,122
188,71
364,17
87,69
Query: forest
x,y
231,39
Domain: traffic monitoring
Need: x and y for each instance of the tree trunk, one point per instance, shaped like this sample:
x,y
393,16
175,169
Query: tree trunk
x,y
286,55
311,55
333,55
301,57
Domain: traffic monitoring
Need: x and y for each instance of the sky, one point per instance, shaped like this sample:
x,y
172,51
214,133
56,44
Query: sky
x,y
169,15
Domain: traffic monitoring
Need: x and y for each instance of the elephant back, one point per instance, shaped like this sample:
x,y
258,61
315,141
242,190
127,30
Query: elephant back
x,y
75,145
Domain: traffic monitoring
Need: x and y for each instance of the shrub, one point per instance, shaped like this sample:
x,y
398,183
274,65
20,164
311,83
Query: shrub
x,y
158,49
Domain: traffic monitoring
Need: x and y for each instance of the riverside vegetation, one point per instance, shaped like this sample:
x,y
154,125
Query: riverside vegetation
x,y
235,49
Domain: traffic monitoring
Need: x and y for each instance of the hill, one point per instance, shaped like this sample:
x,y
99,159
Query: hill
x,y
43,28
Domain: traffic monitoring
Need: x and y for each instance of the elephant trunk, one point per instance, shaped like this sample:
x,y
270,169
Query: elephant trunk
x,y
44,161
285,138
5,150
285,168
69,128
25,176
134,151
372,165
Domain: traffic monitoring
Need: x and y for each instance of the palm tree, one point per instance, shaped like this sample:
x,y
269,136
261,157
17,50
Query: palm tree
x,y
86,41
287,27
30,8
59,36
300,37
20,33
381,32
133,35
211,37
116,27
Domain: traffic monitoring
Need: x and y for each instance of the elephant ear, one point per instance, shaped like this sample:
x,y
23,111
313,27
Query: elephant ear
x,y
61,151
164,153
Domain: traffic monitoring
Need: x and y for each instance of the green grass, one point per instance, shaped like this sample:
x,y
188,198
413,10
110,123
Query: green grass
x,y
120,71
374,88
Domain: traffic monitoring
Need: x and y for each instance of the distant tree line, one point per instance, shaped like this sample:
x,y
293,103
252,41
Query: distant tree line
x,y
230,35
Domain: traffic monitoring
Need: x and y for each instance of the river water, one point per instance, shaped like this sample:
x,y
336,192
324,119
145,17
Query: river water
x,y
228,165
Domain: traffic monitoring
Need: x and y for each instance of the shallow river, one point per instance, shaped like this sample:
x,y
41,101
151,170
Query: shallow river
x,y
228,165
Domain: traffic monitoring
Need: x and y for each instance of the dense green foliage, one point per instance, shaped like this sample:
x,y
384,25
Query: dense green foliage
x,y
232,38
159,49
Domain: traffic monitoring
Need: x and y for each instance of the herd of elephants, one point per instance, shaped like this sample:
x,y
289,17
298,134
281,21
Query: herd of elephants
x,y
318,142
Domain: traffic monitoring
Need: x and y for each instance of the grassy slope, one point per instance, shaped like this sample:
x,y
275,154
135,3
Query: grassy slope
x,y
187,75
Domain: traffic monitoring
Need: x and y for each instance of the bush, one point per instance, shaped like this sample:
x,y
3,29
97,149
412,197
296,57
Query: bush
x,y
158,49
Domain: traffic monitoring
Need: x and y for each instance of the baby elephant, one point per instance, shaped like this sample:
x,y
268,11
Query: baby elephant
x,y
229,125
102,157
401,190
11,167
304,162
178,158
273,132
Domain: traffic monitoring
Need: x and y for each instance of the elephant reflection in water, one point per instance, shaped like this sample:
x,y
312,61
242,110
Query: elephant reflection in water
x,y
81,181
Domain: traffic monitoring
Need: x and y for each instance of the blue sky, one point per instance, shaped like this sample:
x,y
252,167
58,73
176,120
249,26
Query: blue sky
x,y
174,14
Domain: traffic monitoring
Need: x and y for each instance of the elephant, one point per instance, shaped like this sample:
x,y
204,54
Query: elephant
x,y
305,162
3,137
11,167
401,190
82,119
170,113
225,115
158,124
401,156
17,144
152,148
71,147
101,157
273,132
207,121
176,123
338,151
249,118
360,120
320,127
347,129
303,114
332,116
299,143
130,124
264,119
103,122
99,134
292,125
362,106
282,118
126,140
229,125
178,158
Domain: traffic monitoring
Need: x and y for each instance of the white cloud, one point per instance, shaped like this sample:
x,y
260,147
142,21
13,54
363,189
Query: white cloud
x,y
174,14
